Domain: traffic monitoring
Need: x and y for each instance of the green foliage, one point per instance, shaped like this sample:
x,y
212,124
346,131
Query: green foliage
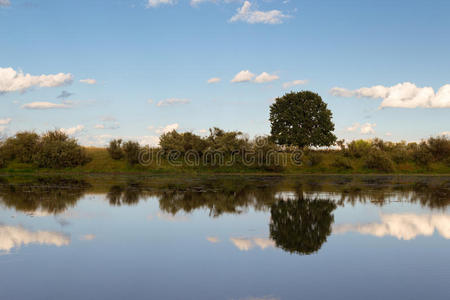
x,y
379,160
267,154
182,142
131,151
422,154
56,150
357,148
301,119
226,142
314,158
23,146
115,149
439,147
342,163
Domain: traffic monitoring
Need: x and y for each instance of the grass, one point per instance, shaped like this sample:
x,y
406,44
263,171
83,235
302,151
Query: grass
x,y
101,162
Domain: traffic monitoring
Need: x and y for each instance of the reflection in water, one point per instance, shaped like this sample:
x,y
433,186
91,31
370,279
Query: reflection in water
x,y
301,226
402,226
245,244
213,239
14,237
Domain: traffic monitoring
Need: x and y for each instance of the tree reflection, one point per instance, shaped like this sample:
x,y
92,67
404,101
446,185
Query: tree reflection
x,y
51,195
301,226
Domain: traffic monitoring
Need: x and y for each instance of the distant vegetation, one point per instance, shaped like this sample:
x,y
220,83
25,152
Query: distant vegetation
x,y
300,140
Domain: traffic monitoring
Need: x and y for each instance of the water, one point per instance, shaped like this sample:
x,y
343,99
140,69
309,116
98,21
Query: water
x,y
225,237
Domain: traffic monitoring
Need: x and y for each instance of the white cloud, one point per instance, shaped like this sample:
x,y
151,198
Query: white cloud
x,y
265,77
47,105
150,101
196,2
243,76
290,84
388,133
5,3
156,3
445,133
246,244
368,128
353,127
12,81
214,80
88,237
73,130
403,95
202,131
172,101
249,15
213,239
167,128
5,121
15,237
402,226
88,81
149,140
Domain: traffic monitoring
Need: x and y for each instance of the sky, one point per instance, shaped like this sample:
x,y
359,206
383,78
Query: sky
x,y
134,69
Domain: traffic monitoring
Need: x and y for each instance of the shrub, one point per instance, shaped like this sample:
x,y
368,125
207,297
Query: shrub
x,y
342,163
379,160
439,147
227,142
23,146
57,150
131,151
358,148
314,158
421,154
267,155
400,153
115,150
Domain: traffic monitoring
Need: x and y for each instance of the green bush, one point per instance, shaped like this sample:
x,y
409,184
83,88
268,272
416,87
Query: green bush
x,y
358,148
182,142
379,160
439,147
56,150
314,158
115,150
342,163
267,154
23,146
421,154
131,151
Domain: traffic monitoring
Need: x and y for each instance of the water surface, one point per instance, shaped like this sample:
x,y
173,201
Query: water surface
x,y
225,237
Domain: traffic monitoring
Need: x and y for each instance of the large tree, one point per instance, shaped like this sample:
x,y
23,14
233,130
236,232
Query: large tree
x,y
301,119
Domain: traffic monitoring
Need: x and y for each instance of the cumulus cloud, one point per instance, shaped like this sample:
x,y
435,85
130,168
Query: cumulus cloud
x,y
172,101
46,105
246,244
265,77
213,80
445,133
5,121
243,76
5,3
213,239
249,15
167,128
402,226
290,84
73,130
88,237
12,80
14,237
368,128
108,123
156,3
88,81
402,95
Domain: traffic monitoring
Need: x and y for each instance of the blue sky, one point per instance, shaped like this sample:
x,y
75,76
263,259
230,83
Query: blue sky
x,y
145,65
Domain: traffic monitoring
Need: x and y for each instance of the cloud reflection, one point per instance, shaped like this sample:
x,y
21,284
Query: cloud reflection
x,y
15,237
246,244
402,226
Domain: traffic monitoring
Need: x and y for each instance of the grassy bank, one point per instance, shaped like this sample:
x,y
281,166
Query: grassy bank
x,y
101,162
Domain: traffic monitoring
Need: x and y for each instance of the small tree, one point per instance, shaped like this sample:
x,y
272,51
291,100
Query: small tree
x,y
115,150
301,119
131,150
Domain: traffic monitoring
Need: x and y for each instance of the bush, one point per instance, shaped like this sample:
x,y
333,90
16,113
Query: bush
x,y
115,150
358,148
23,146
379,160
439,147
314,158
182,142
57,150
131,151
342,163
421,154
267,155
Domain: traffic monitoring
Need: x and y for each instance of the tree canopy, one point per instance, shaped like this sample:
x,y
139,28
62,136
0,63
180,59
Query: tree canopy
x,y
301,119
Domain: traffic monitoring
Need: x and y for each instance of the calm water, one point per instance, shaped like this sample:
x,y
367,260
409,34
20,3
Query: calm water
x,y
228,237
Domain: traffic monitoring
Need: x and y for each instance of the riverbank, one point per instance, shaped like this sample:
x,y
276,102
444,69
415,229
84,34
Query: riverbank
x,y
101,163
